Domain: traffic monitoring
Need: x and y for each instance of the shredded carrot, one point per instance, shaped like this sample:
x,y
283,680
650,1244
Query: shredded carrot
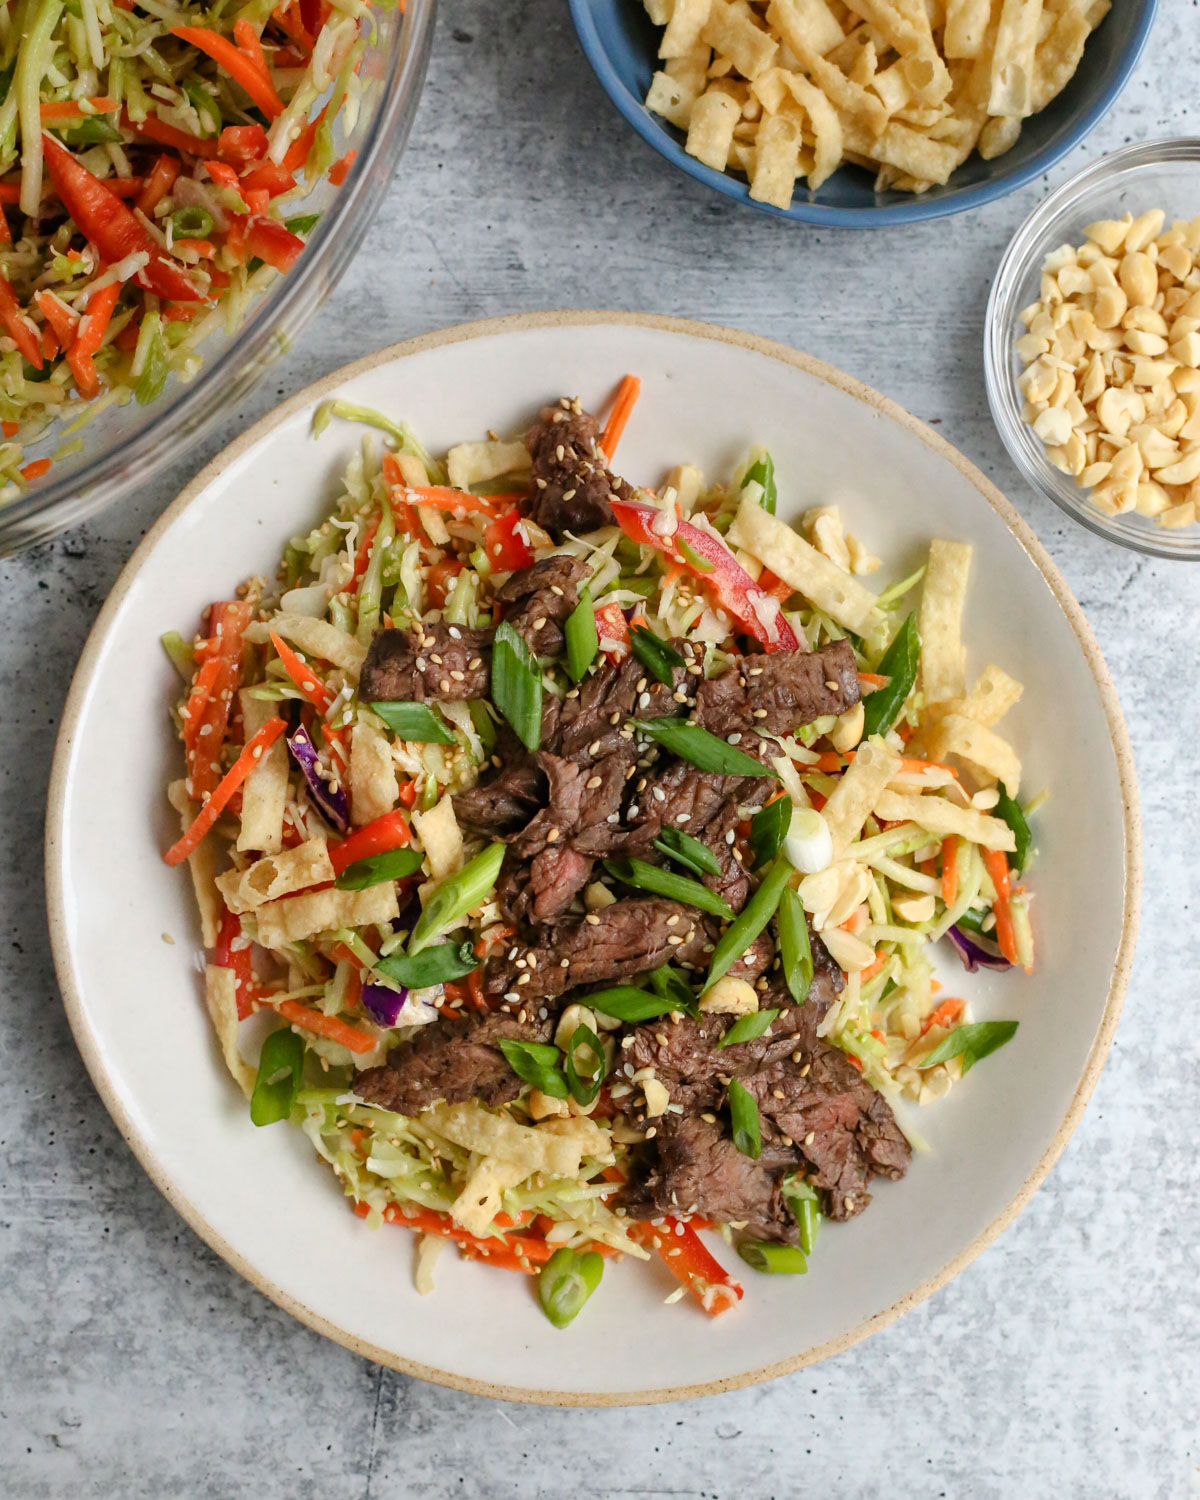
x,y
873,968
327,1026
626,399
36,469
442,498
950,869
225,789
59,110
296,154
340,169
777,587
945,1015
244,68
363,556
158,130
302,676
872,679
10,429
205,249
830,761
856,921
996,863
249,44
89,336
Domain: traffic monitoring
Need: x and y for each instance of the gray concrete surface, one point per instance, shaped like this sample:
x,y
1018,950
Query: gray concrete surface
x,y
1063,1362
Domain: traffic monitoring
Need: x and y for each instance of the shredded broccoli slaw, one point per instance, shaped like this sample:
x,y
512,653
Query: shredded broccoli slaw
x,y
152,162
413,539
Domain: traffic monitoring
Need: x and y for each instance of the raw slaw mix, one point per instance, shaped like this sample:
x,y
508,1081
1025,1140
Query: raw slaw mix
x,y
413,539
151,161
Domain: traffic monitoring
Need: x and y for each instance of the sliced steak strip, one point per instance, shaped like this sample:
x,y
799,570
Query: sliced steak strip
x,y
593,716
453,1059
428,664
537,600
572,484
609,946
502,806
699,1170
779,692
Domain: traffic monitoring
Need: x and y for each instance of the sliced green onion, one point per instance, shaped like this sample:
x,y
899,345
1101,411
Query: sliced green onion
x,y
795,951
644,877
537,1064
583,639
750,921
396,864
1009,809
898,664
801,1198
971,1042
775,1260
566,1282
280,1067
455,896
748,1028
693,743
768,829
192,223
150,357
586,1085
671,985
431,966
414,721
743,1115
517,685
687,851
692,557
659,659
763,473
625,1002
301,223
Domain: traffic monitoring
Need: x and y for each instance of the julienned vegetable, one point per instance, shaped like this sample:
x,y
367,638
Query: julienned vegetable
x,y
329,797
145,197
566,1282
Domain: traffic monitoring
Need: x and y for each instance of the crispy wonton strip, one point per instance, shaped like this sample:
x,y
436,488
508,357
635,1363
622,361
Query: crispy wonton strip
x,y
220,997
277,875
939,620
939,816
265,790
858,791
298,917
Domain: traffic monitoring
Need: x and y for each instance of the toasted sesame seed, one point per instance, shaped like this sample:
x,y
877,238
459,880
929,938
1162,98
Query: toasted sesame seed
x,y
673,919
796,1056
475,663
568,494
511,995
421,663
444,685
760,713
684,818
592,919
675,940
810,1137
832,686
615,717
594,748
435,659
733,739
755,672
644,701
540,623
456,676
554,589
659,794
553,836
634,809
523,978
593,782
777,1094
804,1070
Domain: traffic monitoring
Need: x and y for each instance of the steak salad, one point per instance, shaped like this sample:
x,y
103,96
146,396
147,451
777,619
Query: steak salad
x,y
570,855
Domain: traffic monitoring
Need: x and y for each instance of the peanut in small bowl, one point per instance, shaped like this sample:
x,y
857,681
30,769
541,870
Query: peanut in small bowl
x,y
1092,348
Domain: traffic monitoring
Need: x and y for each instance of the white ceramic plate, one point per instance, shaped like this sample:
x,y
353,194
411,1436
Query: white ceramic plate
x,y
260,1197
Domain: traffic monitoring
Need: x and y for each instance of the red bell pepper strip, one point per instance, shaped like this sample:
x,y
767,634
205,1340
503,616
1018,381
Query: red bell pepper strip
x,y
271,242
683,1253
507,550
112,228
499,1246
381,836
158,130
734,589
89,336
19,325
240,145
227,956
158,184
269,176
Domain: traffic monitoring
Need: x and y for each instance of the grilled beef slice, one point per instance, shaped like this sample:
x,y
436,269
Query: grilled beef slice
x,y
427,664
452,1059
537,600
572,484
779,692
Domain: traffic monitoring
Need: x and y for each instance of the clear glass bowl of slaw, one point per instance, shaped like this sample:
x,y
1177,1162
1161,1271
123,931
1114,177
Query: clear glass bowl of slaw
x,y
124,445
1155,174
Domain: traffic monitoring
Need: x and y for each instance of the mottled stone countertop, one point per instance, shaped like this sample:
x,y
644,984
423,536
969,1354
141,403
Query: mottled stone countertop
x,y
1065,1360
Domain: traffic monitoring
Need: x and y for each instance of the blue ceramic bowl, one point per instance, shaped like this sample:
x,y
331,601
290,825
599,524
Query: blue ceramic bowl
x,y
622,45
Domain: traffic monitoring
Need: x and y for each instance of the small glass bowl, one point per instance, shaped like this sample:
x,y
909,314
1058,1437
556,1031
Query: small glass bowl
x,y
1157,174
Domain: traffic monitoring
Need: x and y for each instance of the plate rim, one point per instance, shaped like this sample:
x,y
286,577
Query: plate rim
x,y
90,1050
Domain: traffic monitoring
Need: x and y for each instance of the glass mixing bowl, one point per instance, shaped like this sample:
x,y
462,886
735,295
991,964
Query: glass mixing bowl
x,y
1158,174
124,445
